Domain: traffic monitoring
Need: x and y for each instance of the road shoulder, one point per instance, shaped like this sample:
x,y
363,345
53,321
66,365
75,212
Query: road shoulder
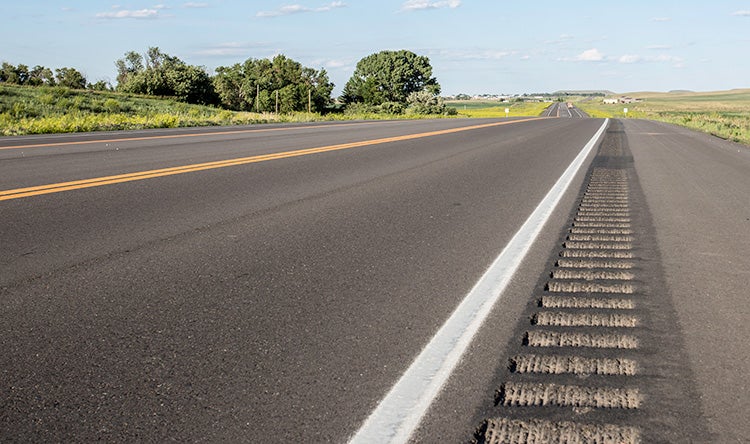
x,y
696,187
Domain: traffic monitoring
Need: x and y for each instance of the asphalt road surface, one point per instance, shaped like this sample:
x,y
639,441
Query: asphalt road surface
x,y
235,285
560,109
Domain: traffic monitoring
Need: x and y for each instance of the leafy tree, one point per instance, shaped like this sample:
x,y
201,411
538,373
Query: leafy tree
x,y
390,76
18,75
100,85
128,66
159,74
229,83
39,75
256,84
70,78
191,84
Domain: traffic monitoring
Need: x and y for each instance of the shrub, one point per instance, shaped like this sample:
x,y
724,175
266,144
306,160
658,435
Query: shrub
x,y
359,108
392,108
112,106
425,102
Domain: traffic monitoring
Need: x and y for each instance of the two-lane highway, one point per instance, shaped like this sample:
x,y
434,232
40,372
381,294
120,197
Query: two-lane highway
x,y
300,283
565,110
272,299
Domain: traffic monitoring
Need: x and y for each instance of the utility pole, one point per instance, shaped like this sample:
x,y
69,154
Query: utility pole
x,y
257,98
277,101
309,100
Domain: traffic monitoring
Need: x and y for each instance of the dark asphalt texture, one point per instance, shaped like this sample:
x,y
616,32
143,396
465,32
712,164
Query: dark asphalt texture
x,y
269,302
698,189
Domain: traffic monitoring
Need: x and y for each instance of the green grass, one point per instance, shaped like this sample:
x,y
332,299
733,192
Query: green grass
x,y
489,108
725,114
43,110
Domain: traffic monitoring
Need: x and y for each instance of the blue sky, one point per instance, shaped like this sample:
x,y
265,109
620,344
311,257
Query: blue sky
x,y
474,46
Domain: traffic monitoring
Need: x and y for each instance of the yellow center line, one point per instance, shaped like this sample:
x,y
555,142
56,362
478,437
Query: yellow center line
x,y
141,175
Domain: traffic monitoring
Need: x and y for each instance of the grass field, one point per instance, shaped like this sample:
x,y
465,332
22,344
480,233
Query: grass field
x,y
489,108
40,110
725,114
43,110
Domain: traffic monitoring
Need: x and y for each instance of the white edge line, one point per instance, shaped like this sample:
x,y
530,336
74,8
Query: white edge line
x,y
398,414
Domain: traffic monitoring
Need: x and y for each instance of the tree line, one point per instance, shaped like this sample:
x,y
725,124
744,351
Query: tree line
x,y
387,81
43,76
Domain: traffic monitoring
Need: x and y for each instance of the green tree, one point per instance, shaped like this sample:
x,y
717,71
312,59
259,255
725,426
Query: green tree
x,y
70,78
389,76
159,74
191,84
18,75
228,83
128,66
256,84
39,75
99,85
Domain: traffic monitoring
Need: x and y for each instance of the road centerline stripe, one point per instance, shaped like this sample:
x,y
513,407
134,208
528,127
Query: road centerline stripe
x,y
398,414
162,172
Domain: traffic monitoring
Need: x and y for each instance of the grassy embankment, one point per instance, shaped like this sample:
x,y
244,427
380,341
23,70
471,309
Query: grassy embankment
x,y
490,108
43,110
725,114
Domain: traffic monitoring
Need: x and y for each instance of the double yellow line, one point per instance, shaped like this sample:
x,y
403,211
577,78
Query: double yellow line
x,y
150,174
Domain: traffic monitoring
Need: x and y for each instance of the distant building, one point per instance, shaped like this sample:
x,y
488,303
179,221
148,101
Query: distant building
x,y
623,99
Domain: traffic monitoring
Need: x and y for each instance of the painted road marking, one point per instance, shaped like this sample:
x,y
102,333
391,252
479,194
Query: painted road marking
x,y
399,412
142,175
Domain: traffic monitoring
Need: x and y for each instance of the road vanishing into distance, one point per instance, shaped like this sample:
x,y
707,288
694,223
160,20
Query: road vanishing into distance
x,y
497,280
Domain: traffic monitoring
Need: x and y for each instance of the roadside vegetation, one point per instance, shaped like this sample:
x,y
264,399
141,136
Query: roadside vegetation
x,y
44,110
725,114
156,90
493,108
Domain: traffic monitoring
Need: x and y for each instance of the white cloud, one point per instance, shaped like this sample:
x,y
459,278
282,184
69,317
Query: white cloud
x,y
563,38
229,49
741,13
472,54
194,5
589,55
677,62
284,10
337,64
659,47
127,14
421,5
330,6
296,9
628,58
661,19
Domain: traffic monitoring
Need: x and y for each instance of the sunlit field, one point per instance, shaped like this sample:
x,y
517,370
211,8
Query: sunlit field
x,y
725,114
494,108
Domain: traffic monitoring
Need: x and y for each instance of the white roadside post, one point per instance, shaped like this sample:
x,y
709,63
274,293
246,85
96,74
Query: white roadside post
x,y
507,111
625,111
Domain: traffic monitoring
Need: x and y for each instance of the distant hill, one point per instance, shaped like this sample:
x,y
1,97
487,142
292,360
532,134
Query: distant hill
x,y
583,92
731,94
